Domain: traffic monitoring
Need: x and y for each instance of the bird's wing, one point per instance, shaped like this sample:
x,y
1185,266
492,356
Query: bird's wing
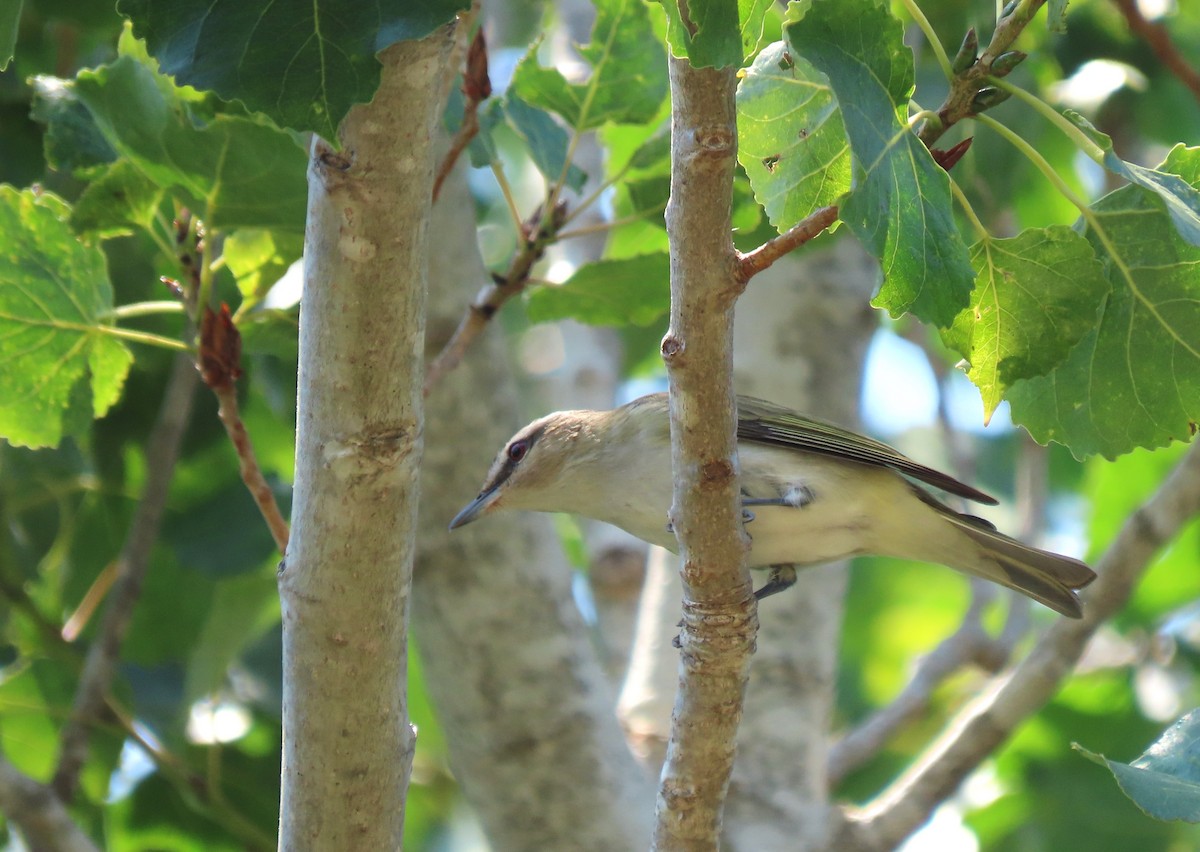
x,y
766,423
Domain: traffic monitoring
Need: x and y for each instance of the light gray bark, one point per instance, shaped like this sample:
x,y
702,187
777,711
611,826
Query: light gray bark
x,y
345,580
803,328
507,659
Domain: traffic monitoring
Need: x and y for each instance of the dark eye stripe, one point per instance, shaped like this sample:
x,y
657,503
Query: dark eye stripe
x,y
510,463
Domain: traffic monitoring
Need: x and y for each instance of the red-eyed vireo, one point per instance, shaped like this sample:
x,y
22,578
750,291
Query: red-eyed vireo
x,y
812,493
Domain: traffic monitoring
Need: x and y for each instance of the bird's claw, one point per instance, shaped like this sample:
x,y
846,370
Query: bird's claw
x,y
782,577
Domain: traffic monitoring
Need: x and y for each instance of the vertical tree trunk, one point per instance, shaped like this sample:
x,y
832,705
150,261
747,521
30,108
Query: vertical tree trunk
x,y
506,655
803,327
345,580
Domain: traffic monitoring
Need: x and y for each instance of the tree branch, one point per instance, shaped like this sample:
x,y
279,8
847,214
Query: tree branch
x,y
988,721
476,88
1156,35
754,262
345,582
535,238
970,643
100,665
39,814
967,85
719,613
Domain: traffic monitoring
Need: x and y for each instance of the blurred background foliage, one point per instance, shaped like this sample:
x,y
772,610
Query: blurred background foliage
x,y
200,671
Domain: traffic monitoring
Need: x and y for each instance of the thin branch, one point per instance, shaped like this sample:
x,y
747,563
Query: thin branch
x,y
754,262
476,88
970,89
1156,35
100,666
39,814
248,467
220,366
986,723
495,295
969,644
720,618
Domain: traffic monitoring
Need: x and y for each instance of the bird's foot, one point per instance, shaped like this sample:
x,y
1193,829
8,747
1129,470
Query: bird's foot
x,y
782,577
795,497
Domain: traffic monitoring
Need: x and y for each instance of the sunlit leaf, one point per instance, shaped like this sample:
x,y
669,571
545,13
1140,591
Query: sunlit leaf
x,y
54,299
233,171
1133,381
1036,296
900,206
791,141
628,72
608,292
1181,198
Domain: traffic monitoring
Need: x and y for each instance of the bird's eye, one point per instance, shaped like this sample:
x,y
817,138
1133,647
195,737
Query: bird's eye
x,y
517,450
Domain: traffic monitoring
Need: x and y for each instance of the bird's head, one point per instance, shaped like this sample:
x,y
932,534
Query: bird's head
x,y
538,469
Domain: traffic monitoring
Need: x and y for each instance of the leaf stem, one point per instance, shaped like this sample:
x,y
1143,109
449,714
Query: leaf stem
x,y
138,336
968,210
506,191
1054,117
935,43
143,309
1035,157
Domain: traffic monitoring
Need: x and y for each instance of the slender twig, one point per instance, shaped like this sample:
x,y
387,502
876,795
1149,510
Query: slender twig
x,y
40,815
495,295
754,262
1156,35
248,467
969,644
476,88
100,665
1015,695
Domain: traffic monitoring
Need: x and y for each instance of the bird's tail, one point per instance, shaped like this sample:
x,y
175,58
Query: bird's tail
x,y
1046,577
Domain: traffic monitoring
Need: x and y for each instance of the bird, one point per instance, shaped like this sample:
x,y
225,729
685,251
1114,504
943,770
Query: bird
x,y
811,492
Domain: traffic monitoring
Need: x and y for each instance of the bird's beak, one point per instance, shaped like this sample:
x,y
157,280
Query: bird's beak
x,y
481,505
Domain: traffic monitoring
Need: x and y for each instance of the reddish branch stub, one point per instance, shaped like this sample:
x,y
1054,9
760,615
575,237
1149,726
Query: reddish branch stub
x,y
477,86
220,348
946,159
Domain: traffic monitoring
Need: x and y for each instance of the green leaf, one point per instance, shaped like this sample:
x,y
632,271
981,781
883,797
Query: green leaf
x,y
752,15
73,143
1182,199
271,332
1036,296
719,35
649,196
302,63
121,199
609,292
1134,381
258,259
233,171
900,207
243,608
54,294
791,141
1165,781
482,147
655,152
725,33
10,17
628,79
546,140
